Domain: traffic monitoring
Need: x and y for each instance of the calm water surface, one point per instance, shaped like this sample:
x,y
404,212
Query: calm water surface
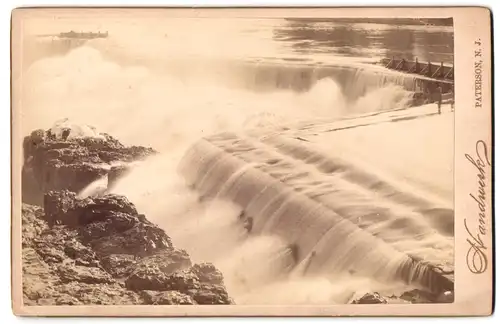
x,y
292,40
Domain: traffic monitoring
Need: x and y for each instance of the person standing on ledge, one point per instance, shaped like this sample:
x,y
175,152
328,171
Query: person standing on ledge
x,y
439,93
452,97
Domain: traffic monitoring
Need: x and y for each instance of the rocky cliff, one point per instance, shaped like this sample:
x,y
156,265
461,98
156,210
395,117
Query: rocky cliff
x,y
98,249
71,158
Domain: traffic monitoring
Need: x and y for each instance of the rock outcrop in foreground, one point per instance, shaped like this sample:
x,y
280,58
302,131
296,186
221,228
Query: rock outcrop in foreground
x,y
69,158
414,296
99,249
102,251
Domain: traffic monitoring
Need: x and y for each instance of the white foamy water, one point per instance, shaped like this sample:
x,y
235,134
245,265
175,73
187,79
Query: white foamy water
x,y
165,85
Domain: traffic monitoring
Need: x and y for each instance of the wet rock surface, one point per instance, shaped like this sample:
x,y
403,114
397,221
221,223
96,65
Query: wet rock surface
x,y
414,296
71,161
102,251
98,250
370,298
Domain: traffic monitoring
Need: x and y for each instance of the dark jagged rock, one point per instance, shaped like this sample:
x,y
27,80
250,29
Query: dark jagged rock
x,y
370,298
63,207
111,203
57,204
102,251
109,224
186,282
116,222
56,161
172,271
168,260
182,281
208,294
141,239
98,250
208,273
119,265
152,273
417,296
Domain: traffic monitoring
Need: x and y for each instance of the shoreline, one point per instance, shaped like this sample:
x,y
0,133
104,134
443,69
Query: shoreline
x,y
98,249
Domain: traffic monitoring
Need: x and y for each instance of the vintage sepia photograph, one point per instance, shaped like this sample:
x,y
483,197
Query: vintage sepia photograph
x,y
167,157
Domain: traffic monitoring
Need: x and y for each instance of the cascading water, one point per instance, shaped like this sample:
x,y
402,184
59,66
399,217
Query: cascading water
x,y
345,226
317,234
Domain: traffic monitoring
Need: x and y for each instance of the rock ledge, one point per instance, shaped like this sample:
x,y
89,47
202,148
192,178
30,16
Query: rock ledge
x,y
98,250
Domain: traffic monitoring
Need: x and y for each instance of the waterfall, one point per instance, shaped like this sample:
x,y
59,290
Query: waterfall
x,y
338,225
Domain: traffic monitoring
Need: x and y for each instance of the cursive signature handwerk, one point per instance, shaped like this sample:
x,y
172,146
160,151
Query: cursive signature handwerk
x,y
477,260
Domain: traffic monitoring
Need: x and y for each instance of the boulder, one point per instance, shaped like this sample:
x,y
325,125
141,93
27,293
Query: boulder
x,y
109,224
417,296
119,265
203,283
208,273
153,273
114,203
370,298
141,240
184,280
208,294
